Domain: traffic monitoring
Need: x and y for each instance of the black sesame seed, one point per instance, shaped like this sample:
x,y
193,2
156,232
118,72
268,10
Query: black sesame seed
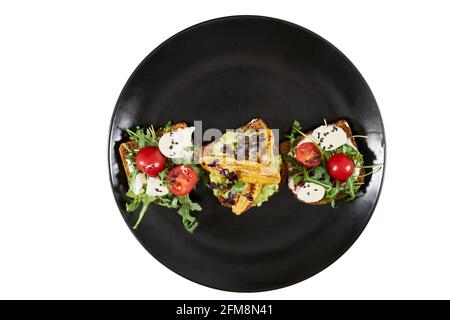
x,y
213,164
232,176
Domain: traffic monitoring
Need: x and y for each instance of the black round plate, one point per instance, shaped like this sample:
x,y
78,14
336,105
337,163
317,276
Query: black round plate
x,y
226,72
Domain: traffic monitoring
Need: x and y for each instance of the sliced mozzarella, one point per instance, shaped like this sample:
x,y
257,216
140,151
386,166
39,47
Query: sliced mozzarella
x,y
329,137
309,192
138,184
177,144
155,187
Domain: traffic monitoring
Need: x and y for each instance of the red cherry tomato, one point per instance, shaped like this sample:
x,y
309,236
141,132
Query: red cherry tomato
x,y
340,167
182,180
150,160
308,155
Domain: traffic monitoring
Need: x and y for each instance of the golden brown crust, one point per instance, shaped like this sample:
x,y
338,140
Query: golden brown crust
x,y
343,124
126,146
174,127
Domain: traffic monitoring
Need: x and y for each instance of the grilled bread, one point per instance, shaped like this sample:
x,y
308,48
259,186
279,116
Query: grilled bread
x,y
247,156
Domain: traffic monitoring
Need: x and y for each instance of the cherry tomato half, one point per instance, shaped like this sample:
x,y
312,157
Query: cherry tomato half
x,y
308,155
340,167
150,160
182,180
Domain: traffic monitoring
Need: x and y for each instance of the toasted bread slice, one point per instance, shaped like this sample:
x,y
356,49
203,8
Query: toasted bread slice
x,y
343,124
255,170
126,147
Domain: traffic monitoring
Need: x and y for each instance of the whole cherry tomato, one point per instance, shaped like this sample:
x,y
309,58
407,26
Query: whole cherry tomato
x,y
150,160
340,167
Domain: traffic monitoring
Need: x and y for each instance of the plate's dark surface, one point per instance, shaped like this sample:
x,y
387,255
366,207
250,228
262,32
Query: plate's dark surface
x,y
226,72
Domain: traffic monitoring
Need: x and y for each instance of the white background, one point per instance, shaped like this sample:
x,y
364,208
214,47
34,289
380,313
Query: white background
x,y
62,66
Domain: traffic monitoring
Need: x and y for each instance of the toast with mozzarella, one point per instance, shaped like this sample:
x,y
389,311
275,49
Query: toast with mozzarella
x,y
314,185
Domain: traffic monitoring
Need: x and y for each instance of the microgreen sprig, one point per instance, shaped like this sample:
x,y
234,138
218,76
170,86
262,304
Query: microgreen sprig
x,y
144,137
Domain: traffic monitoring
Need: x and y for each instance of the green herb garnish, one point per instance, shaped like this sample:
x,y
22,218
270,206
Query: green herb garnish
x,y
189,222
144,137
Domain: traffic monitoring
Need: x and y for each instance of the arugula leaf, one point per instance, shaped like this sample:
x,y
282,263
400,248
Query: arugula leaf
x,y
333,192
350,188
295,130
294,134
132,206
163,176
146,200
167,127
320,172
350,152
297,178
168,201
189,222
195,206
144,138
131,194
